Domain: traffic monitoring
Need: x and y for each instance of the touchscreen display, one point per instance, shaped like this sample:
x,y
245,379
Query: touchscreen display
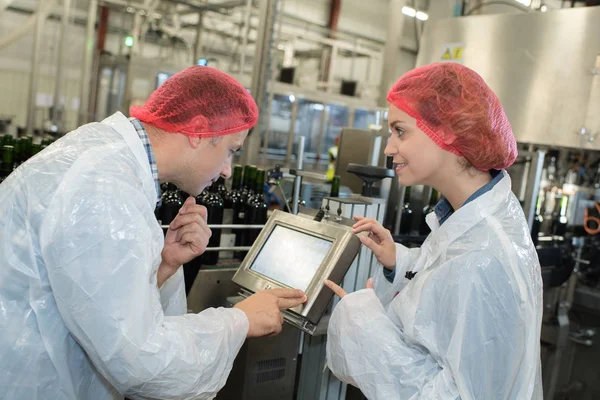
x,y
291,257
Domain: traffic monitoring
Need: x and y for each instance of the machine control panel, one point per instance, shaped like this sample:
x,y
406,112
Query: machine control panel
x,y
296,251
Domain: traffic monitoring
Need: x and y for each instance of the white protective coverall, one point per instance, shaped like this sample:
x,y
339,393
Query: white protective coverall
x,y
80,311
466,326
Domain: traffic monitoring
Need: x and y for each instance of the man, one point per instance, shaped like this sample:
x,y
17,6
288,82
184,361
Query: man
x,y
92,299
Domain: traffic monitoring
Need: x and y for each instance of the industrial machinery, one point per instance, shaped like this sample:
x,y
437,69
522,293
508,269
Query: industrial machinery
x,y
300,252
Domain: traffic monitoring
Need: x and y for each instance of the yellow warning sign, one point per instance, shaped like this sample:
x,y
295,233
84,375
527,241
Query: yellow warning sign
x,y
453,52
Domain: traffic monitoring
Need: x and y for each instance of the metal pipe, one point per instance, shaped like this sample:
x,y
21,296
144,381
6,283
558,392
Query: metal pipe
x,y
534,180
324,117
84,91
35,66
62,49
208,7
351,116
247,16
272,70
398,219
258,88
298,181
376,151
100,40
292,133
198,42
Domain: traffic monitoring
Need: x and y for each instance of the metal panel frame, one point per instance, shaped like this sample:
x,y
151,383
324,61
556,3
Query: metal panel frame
x,y
345,247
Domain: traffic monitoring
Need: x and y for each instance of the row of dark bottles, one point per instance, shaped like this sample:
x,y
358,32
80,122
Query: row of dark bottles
x,y
14,152
244,204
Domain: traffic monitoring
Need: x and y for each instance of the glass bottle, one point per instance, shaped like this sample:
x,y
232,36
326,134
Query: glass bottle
x,y
335,187
257,209
214,207
171,203
8,160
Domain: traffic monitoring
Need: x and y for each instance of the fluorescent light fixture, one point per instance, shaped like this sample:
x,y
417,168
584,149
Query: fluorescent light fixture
x,y
411,12
526,3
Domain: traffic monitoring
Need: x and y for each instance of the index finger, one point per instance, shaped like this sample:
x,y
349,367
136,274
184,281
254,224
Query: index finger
x,y
284,293
363,221
284,304
335,288
374,227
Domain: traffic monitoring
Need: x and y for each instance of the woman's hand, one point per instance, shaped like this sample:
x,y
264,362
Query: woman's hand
x,y
341,292
379,240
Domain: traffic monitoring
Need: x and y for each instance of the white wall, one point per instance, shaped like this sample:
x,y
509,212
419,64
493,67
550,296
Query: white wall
x,y
15,66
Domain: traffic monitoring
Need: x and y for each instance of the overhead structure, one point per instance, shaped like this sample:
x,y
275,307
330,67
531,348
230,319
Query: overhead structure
x,y
260,78
545,69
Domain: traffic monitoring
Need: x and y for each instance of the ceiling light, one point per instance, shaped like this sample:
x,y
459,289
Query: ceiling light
x,y
544,8
411,12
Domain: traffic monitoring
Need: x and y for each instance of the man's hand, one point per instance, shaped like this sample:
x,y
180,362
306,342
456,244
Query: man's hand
x,y
186,239
263,310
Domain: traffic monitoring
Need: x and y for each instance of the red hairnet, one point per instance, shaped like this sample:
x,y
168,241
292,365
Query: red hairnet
x,y
199,102
458,111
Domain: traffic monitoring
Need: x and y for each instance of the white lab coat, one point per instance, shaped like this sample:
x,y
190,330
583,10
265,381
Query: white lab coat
x,y
80,311
466,326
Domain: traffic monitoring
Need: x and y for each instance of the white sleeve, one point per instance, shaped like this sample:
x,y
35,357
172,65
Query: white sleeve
x,y
172,295
473,337
405,259
101,256
365,349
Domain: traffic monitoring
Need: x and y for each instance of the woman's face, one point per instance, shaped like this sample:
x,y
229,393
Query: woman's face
x,y
417,159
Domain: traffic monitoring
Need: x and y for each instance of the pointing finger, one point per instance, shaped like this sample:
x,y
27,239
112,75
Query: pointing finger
x,y
335,288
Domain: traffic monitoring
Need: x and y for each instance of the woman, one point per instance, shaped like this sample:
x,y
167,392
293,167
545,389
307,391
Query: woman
x,y
459,317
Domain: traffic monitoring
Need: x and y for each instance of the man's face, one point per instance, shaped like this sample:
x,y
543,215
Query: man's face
x,y
208,159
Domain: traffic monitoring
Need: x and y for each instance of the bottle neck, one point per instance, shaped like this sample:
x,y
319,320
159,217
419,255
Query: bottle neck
x,y
249,177
434,198
260,182
335,187
236,184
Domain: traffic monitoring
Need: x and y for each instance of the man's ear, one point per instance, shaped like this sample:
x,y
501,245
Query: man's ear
x,y
194,142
